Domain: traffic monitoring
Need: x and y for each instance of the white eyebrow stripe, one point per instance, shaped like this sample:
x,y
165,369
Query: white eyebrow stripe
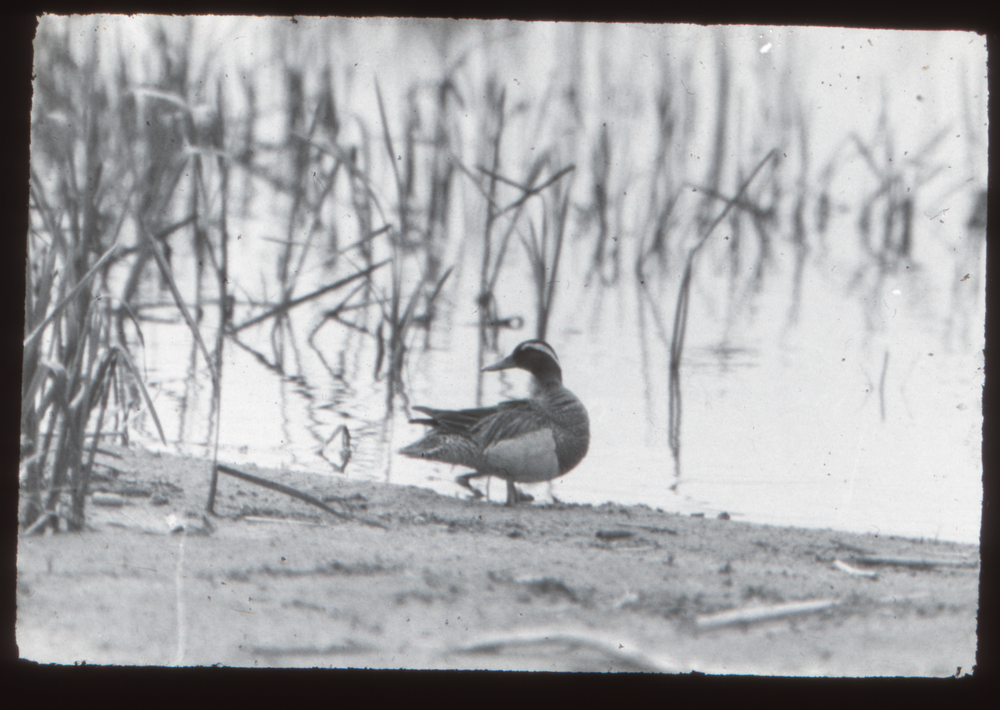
x,y
543,348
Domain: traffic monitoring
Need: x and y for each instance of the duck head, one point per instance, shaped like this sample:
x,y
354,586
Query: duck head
x,y
535,356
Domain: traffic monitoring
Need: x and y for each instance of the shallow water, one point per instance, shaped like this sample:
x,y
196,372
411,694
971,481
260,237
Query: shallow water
x,y
793,425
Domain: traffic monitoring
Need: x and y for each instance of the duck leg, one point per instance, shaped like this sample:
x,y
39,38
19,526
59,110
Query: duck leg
x,y
511,493
515,495
465,481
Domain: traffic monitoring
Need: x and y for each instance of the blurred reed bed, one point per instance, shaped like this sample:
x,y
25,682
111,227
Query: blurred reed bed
x,y
384,195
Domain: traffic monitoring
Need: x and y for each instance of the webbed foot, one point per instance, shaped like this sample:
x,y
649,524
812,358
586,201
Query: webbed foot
x,y
516,495
465,481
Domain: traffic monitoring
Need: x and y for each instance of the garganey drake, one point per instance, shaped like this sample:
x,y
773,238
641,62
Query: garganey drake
x,y
522,440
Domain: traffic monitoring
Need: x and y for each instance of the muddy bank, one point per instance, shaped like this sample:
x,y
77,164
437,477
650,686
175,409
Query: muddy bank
x,y
454,583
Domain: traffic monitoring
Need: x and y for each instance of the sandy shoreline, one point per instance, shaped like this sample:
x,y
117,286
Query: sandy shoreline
x,y
453,583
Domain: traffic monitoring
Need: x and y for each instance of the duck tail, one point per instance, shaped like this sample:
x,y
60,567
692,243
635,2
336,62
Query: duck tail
x,y
443,447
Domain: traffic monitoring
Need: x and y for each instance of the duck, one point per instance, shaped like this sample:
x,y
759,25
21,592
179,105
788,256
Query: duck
x,y
520,441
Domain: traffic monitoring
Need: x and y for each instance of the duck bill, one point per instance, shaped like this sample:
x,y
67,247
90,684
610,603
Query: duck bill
x,y
506,364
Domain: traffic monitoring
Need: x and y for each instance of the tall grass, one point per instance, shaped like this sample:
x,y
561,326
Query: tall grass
x,y
75,363
681,314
